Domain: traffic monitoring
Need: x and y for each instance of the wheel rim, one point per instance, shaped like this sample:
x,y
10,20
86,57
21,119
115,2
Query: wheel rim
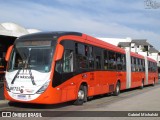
x,y
81,94
117,89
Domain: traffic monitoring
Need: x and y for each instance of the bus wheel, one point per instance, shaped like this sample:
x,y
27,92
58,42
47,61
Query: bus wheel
x,y
142,85
117,89
81,96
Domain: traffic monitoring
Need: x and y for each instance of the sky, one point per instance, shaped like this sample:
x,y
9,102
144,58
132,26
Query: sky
x,y
138,19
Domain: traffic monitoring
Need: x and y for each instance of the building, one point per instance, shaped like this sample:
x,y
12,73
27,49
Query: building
x,y
8,33
139,46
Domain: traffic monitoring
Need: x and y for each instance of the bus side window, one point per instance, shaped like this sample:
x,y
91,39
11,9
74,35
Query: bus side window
x,y
119,61
81,56
155,67
90,57
133,64
124,62
68,61
98,62
137,64
152,67
105,59
112,60
148,66
98,58
140,64
143,65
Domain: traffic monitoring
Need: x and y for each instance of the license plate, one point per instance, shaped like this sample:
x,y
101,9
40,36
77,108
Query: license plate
x,y
23,97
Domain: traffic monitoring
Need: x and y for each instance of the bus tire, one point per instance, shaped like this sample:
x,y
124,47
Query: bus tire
x,y
81,95
86,91
117,89
142,85
10,103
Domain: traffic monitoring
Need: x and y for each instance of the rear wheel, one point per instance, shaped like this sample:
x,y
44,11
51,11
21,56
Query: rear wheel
x,y
117,89
82,96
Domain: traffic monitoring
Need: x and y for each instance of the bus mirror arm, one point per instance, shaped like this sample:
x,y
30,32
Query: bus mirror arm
x,y
60,50
8,53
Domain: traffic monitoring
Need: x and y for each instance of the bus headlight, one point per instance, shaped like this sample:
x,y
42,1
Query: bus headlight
x,y
43,88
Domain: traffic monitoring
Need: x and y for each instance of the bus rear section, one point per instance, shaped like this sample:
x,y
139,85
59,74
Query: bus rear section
x,y
141,70
152,75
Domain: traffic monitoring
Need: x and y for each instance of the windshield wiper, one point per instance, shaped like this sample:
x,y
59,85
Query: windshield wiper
x,y
12,82
30,73
16,76
29,68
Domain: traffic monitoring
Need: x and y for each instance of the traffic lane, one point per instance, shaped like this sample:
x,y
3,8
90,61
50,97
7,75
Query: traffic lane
x,y
148,100
106,103
98,103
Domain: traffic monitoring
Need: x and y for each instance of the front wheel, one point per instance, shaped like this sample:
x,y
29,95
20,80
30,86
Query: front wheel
x,y
81,95
117,89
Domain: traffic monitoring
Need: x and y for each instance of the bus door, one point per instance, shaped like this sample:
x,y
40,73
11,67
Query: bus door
x,y
111,74
134,73
98,70
67,71
121,69
68,74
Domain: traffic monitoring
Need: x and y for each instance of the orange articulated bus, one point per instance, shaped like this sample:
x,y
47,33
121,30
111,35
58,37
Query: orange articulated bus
x,y
55,67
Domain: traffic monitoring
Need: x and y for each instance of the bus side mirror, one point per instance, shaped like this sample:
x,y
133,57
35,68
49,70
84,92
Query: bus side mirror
x,y
60,50
8,53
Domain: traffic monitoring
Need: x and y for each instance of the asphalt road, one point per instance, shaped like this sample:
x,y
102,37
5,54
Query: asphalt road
x,y
1,91
147,99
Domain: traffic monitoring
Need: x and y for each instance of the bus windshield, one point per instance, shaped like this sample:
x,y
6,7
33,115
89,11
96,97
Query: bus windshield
x,y
31,57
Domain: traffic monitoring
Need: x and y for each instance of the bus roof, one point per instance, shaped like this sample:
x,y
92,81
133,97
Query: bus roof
x,y
152,60
94,41
47,35
103,44
137,55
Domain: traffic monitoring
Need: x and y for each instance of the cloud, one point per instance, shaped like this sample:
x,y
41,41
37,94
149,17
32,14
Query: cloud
x,y
111,18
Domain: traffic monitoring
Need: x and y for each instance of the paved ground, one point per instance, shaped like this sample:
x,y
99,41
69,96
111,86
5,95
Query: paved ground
x,y
147,99
1,91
